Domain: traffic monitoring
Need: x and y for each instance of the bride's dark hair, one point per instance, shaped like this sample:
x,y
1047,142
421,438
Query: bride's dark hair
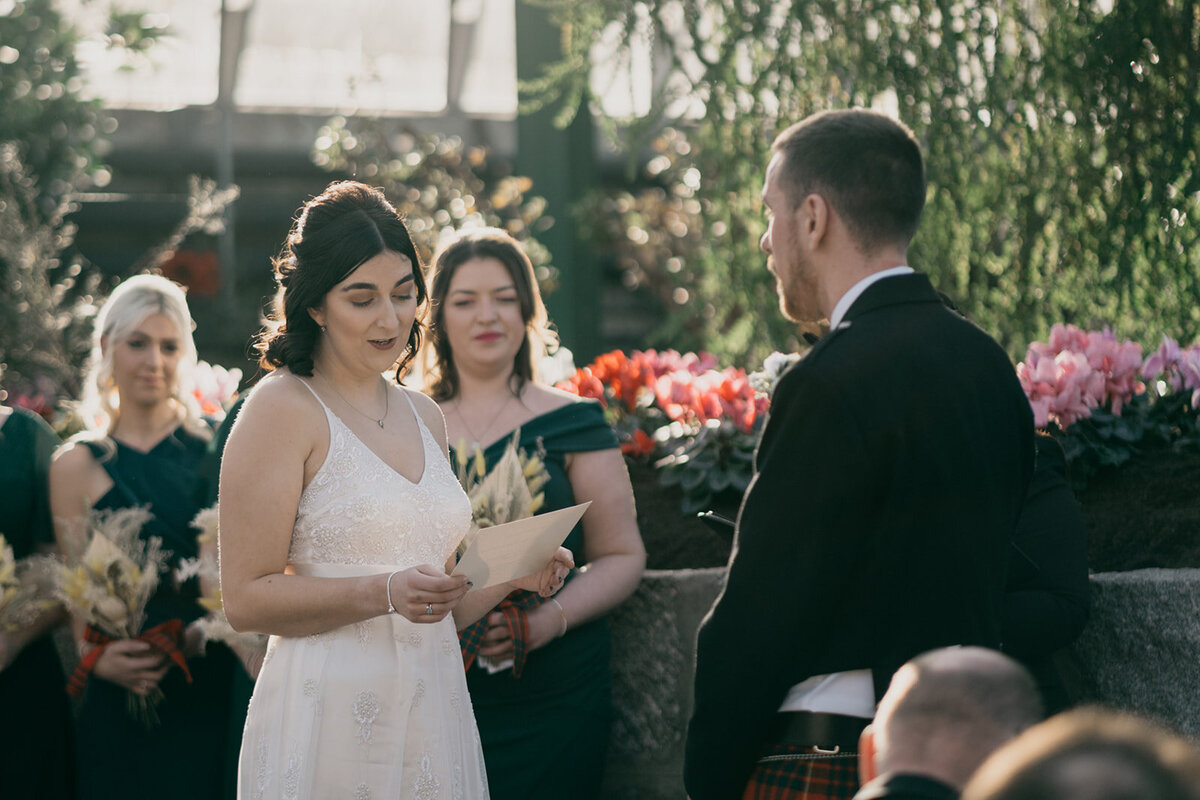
x,y
335,232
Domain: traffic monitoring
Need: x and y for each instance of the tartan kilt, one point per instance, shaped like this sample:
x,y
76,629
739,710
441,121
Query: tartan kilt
x,y
790,772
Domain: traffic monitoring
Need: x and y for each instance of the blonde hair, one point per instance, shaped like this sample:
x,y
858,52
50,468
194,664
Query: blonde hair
x,y
134,300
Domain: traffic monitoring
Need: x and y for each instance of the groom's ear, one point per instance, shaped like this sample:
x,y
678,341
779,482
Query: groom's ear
x,y
813,215
867,769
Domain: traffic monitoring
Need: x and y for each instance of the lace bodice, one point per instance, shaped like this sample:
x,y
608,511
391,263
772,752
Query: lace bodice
x,y
358,510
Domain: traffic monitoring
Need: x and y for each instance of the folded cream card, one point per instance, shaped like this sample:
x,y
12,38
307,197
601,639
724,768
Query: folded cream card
x,y
515,549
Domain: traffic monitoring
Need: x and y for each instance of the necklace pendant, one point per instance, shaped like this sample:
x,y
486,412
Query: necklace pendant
x,y
380,422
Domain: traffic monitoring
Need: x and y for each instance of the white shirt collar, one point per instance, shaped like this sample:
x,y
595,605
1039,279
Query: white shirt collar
x,y
843,305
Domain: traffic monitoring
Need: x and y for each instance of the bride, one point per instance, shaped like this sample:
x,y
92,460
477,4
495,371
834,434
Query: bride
x,y
339,514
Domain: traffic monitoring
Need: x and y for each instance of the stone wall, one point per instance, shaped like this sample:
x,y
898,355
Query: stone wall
x,y
654,644
1140,651
1141,648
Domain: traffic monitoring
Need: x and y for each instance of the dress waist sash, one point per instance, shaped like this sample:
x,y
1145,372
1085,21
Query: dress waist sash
x,y
343,570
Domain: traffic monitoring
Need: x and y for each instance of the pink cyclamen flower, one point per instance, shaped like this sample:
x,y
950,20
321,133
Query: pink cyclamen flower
x,y
676,395
1163,361
1068,337
1062,388
1078,370
214,387
1189,372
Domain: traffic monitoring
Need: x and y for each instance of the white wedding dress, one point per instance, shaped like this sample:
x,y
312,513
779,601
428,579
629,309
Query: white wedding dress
x,y
378,709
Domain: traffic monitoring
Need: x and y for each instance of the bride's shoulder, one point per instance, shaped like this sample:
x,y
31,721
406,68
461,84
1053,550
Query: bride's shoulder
x,y
283,397
429,412
426,406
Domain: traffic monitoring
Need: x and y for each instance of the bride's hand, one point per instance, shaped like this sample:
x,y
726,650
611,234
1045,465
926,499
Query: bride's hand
x,y
426,593
549,579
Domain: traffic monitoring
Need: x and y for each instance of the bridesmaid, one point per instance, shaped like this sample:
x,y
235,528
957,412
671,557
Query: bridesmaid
x,y
144,447
35,738
545,721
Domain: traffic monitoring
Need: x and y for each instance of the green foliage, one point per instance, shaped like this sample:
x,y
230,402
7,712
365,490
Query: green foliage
x,y
43,339
44,111
48,135
1148,421
438,184
715,461
49,139
1062,143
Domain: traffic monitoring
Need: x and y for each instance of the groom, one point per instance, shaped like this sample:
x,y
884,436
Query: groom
x,y
887,481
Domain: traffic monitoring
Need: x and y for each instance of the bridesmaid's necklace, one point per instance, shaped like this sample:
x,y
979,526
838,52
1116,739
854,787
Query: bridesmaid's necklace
x,y
467,425
377,421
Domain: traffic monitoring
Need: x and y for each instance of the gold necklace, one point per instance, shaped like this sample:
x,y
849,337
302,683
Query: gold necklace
x,y
379,421
467,425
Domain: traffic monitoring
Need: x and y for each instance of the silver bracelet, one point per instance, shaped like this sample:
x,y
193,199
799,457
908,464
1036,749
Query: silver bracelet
x,y
391,608
562,614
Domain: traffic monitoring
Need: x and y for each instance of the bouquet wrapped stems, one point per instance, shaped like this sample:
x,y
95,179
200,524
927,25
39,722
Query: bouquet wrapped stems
x,y
142,707
107,587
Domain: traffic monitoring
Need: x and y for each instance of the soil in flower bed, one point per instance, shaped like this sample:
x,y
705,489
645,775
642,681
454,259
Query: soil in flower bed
x,y
674,540
1144,514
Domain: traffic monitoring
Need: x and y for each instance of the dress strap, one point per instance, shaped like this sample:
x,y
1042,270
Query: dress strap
x,y
421,426
304,383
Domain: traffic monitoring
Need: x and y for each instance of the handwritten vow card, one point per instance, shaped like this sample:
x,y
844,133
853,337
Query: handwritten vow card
x,y
504,552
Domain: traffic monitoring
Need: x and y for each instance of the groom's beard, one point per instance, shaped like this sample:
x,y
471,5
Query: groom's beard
x,y
797,293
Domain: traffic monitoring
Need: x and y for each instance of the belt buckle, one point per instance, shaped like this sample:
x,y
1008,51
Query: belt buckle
x,y
837,748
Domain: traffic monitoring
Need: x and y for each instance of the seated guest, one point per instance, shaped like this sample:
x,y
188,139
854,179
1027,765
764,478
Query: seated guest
x,y
1091,754
943,714
1046,602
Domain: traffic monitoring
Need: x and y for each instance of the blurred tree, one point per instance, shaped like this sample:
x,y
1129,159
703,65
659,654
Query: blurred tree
x,y
50,142
42,336
438,184
1061,139
55,129
48,135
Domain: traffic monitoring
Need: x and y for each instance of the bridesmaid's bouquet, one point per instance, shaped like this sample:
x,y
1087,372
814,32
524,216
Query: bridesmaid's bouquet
x,y
108,585
249,647
22,588
511,491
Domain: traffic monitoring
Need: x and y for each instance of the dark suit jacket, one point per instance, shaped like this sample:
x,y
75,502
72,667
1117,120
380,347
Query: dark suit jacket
x,y
896,786
889,478
1049,597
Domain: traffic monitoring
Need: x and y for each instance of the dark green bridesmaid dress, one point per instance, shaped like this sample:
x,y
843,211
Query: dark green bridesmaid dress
x,y
545,734
35,733
182,757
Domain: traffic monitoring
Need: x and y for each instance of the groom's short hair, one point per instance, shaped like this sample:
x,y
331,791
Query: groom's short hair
x,y
866,165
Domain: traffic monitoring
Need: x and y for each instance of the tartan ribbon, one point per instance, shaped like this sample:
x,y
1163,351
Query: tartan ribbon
x,y
166,637
515,608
